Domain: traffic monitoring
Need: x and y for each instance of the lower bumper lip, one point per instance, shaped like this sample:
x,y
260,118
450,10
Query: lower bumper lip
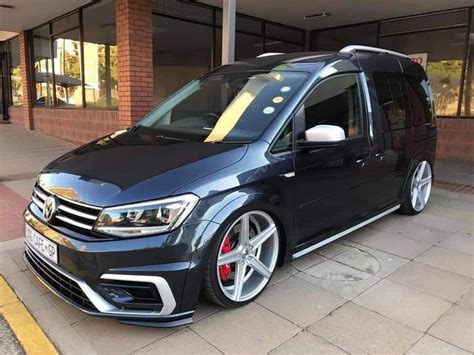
x,y
38,264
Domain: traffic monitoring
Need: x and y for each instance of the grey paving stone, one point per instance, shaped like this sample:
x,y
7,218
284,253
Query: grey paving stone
x,y
462,242
331,250
393,243
308,303
439,222
7,265
250,329
420,232
467,299
184,341
107,336
69,312
405,305
339,279
307,343
282,273
358,330
436,282
306,261
456,327
449,260
429,345
370,260
70,342
24,286
205,309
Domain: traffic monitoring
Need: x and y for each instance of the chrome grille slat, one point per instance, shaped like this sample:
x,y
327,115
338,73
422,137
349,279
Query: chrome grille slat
x,y
75,214
40,195
74,223
37,202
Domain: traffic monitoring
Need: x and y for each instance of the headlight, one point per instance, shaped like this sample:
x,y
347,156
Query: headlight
x,y
145,218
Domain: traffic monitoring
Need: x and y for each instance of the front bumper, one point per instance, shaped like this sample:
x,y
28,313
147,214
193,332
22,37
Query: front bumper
x,y
164,262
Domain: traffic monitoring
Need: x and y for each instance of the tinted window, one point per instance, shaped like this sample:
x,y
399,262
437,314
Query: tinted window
x,y
335,101
419,93
225,108
391,96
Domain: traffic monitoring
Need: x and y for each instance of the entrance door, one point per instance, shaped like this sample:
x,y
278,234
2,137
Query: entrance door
x,y
330,189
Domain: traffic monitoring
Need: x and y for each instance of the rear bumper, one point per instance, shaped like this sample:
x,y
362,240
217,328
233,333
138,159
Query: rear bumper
x,y
164,262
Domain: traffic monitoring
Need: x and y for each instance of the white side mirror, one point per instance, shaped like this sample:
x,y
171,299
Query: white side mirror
x,y
325,133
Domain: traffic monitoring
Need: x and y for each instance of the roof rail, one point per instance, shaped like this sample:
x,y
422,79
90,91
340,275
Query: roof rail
x,y
268,54
354,48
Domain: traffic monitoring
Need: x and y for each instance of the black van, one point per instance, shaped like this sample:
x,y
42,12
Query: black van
x,y
254,164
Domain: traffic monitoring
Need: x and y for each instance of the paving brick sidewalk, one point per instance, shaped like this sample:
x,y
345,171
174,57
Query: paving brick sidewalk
x,y
401,285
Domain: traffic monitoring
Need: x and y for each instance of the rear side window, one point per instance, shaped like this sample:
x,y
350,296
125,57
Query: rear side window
x,y
391,94
419,94
336,101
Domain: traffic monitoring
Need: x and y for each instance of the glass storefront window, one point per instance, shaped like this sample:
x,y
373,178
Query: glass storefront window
x,y
42,65
100,55
67,69
181,52
444,51
15,74
335,39
276,46
467,105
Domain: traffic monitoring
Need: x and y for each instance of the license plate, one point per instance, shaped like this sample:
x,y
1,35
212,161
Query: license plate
x,y
41,244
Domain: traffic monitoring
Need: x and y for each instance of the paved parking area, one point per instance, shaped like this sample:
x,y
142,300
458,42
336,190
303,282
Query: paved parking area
x,y
401,285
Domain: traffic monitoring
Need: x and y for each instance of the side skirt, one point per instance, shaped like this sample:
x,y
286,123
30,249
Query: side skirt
x,y
344,232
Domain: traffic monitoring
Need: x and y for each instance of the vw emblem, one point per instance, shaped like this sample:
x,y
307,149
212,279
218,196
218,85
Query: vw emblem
x,y
50,207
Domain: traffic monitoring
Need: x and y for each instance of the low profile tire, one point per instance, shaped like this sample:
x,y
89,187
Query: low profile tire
x,y
418,190
243,260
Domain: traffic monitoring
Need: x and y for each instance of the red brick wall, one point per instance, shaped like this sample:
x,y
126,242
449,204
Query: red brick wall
x,y
75,125
455,139
135,59
16,115
25,81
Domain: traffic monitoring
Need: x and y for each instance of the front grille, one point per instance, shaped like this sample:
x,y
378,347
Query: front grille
x,y
70,213
65,286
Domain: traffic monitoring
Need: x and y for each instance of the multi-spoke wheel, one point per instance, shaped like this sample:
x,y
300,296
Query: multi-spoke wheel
x,y
244,260
419,191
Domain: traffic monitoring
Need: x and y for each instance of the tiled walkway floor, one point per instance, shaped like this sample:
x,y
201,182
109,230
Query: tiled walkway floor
x,y
401,285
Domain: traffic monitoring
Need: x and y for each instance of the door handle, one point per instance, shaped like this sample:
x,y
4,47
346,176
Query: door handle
x,y
379,155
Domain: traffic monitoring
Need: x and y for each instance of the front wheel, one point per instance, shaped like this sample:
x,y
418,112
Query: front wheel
x,y
419,189
243,260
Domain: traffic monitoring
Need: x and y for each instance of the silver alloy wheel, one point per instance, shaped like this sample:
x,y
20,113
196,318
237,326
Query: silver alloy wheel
x,y
421,186
253,257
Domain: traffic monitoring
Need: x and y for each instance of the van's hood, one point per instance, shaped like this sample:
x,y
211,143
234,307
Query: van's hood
x,y
133,166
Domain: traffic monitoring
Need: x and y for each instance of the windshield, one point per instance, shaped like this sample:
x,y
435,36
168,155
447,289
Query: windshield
x,y
231,107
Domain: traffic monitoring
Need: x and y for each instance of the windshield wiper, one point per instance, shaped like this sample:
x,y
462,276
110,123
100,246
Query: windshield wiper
x,y
172,138
233,142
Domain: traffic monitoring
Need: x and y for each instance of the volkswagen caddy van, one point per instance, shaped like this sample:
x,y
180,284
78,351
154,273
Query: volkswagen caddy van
x,y
250,166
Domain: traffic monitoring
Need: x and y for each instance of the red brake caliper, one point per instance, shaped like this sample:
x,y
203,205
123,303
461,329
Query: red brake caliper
x,y
224,270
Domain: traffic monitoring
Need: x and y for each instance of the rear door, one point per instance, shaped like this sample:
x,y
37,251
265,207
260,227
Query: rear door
x,y
388,160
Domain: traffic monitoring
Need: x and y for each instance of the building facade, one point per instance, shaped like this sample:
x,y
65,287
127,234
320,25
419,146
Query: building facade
x,y
103,66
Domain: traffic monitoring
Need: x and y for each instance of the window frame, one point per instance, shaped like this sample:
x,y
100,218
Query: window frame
x,y
362,104
298,118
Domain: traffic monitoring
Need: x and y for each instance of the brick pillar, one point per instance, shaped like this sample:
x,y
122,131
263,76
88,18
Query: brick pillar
x,y
135,59
27,105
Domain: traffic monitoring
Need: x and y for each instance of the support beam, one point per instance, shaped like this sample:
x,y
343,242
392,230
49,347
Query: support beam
x,y
228,31
26,87
135,59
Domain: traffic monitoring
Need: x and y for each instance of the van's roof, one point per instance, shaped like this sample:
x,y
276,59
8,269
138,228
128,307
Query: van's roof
x,y
269,62
299,60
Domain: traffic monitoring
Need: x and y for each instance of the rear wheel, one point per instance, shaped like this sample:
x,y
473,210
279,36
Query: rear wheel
x,y
419,190
243,260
